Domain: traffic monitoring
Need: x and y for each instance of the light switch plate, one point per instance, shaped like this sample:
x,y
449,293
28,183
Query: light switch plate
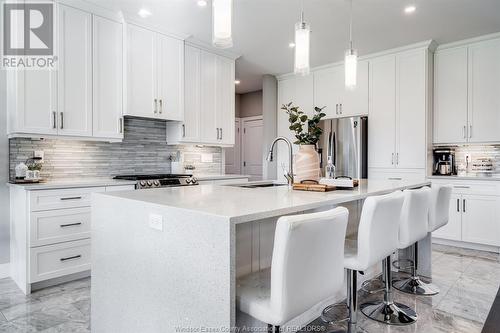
x,y
156,222
207,158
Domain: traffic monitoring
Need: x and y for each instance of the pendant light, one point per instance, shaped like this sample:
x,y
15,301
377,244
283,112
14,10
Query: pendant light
x,y
350,61
302,44
222,17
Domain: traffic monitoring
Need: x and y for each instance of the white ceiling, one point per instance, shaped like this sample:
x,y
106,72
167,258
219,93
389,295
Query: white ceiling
x,y
263,28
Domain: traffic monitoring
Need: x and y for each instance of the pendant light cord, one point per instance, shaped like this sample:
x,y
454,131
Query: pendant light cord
x,y
350,28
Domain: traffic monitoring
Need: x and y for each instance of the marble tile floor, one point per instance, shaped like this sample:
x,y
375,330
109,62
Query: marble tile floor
x,y
469,281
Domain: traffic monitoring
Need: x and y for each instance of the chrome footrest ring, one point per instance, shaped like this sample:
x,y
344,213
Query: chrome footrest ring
x,y
330,318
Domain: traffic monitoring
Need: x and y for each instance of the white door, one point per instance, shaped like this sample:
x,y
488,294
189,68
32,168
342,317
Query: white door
x,y
108,78
233,154
170,67
450,96
411,109
252,145
480,223
452,230
191,125
141,74
209,131
355,102
484,92
225,100
75,72
328,89
382,124
36,102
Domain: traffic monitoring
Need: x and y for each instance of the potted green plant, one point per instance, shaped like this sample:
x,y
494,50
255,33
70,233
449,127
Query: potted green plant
x,y
307,132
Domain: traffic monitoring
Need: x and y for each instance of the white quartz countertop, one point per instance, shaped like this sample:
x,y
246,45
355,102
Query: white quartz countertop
x,y
493,177
203,177
74,183
249,204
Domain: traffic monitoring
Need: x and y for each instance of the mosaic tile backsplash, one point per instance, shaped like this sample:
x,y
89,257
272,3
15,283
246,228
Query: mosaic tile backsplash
x,y
143,150
482,159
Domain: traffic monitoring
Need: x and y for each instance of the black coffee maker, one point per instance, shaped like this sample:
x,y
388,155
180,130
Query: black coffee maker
x,y
444,162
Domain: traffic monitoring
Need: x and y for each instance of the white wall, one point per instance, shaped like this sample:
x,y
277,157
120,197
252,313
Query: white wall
x,y
251,104
4,175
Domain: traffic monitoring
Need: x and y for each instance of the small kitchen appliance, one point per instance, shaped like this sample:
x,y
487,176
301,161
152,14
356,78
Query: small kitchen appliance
x,y
160,180
444,162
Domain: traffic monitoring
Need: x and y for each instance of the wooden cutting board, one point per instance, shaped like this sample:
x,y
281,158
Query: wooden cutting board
x,y
313,187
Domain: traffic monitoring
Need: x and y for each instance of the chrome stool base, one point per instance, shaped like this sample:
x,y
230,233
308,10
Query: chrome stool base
x,y
413,285
389,313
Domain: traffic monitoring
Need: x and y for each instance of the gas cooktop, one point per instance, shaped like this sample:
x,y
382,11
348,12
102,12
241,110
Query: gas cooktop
x,y
160,180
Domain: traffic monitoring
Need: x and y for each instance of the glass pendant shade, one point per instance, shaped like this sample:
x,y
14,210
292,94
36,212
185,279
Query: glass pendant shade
x,y
222,17
351,67
302,43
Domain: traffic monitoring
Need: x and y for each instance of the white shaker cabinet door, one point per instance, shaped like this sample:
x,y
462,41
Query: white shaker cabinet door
x,y
209,129
108,78
304,95
328,89
382,124
225,100
480,222
190,131
450,96
355,102
484,92
75,72
141,73
411,108
452,230
170,55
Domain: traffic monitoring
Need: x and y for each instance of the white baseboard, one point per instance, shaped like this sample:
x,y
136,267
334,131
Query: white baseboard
x,y
466,245
4,270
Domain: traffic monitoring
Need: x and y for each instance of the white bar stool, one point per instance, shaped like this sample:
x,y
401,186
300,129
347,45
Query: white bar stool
x,y
439,210
377,240
413,228
306,268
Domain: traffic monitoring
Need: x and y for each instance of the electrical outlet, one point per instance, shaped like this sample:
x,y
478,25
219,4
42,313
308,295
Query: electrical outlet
x,y
39,153
207,158
156,222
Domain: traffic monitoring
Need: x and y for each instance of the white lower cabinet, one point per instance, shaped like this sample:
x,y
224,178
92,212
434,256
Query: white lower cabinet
x,y
474,214
396,174
50,235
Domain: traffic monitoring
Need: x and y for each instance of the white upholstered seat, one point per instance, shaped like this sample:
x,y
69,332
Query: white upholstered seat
x,y
307,268
439,207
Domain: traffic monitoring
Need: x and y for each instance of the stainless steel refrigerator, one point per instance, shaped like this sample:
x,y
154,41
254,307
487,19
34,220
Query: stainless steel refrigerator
x,y
345,140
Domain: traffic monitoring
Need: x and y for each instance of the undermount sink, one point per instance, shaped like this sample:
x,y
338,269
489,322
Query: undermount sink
x,y
258,185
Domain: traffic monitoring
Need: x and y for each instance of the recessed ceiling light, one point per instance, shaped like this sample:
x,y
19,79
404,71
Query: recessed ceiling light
x,y
202,3
291,45
237,81
144,13
410,9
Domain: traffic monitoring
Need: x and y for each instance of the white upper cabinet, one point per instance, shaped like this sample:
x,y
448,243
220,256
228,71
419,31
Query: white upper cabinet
x,y
484,92
382,121
467,93
450,96
155,75
397,134
107,78
209,95
170,77
74,72
330,91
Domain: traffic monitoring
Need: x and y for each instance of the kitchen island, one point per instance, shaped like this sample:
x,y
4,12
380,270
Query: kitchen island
x,y
167,260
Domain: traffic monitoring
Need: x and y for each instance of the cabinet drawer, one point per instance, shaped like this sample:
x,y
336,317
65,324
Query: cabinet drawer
x,y
470,187
56,226
65,198
120,188
51,261
396,174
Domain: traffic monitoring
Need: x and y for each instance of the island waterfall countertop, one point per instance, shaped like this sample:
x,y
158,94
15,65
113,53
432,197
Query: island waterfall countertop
x,y
250,204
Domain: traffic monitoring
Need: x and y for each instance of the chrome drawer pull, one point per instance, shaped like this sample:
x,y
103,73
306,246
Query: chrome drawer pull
x,y
71,198
70,224
461,186
71,258
395,178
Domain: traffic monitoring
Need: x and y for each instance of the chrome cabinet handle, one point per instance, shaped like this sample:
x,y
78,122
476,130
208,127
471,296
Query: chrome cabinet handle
x,y
336,109
156,106
183,130
161,105
221,133
395,178
470,131
463,132
461,186
62,120
463,204
54,119
458,205
70,224
392,159
217,133
70,258
340,109
397,158
71,198
121,124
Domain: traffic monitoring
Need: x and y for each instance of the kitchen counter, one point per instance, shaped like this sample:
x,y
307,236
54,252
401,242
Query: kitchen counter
x,y
166,260
73,183
494,177
203,177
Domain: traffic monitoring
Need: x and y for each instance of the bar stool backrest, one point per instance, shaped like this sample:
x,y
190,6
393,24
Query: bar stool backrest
x,y
414,216
439,212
